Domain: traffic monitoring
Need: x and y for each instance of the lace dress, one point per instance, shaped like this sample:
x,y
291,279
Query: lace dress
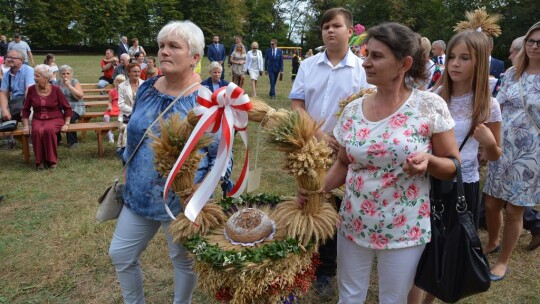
x,y
238,69
461,108
515,177
383,207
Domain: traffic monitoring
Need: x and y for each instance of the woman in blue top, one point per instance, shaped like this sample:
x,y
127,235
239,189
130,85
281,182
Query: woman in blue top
x,y
180,48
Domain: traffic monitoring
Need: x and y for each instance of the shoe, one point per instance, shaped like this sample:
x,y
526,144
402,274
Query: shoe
x,y
40,167
495,250
324,287
535,242
496,278
53,166
73,146
1,198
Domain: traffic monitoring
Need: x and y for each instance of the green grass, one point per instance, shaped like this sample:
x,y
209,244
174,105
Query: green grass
x,y
53,251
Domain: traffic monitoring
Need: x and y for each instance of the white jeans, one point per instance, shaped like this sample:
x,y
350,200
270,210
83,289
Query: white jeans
x,y
130,239
396,269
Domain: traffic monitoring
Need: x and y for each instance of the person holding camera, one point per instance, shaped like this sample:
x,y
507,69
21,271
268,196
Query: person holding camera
x,y
127,92
107,67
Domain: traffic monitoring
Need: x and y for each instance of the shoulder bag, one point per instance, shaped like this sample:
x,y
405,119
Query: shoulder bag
x,y
8,126
453,265
111,201
15,104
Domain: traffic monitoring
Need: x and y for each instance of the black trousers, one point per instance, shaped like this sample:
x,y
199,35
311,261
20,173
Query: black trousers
x,y
70,136
328,254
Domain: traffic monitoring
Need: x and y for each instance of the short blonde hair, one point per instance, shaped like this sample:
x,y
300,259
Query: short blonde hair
x,y
426,45
254,44
119,78
44,70
151,72
214,65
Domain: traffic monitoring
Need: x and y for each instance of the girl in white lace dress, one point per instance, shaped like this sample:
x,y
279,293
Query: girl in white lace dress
x,y
465,88
514,180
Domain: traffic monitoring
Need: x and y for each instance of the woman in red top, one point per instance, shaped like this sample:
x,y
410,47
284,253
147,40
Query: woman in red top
x,y
112,106
52,114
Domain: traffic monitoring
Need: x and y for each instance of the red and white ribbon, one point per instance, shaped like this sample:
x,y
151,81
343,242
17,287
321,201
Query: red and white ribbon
x,y
226,108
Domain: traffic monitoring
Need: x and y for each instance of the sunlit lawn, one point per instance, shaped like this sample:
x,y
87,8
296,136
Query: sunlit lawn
x,y
53,251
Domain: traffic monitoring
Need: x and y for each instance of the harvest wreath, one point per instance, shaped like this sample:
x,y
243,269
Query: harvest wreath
x,y
247,248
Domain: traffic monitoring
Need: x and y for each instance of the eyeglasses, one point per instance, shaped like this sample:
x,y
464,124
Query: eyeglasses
x,y
254,48
13,58
272,44
532,42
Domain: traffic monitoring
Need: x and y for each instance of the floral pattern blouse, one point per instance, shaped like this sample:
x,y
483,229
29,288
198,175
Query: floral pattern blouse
x,y
383,207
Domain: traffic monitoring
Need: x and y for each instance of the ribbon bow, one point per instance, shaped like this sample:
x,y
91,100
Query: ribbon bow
x,y
225,109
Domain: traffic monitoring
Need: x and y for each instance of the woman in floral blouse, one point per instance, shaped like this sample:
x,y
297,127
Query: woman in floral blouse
x,y
390,142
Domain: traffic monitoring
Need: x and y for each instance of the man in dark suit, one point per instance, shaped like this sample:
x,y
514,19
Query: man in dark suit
x,y
496,66
123,47
214,82
273,65
216,52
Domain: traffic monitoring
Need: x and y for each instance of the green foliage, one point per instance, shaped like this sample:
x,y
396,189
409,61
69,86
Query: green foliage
x,y
220,258
247,199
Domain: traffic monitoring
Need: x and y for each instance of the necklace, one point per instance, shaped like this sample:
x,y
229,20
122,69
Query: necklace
x,y
43,91
373,108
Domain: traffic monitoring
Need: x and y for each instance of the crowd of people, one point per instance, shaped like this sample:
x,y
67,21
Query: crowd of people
x,y
431,101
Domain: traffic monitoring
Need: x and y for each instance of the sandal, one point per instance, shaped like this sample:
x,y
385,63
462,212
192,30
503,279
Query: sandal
x,y
40,167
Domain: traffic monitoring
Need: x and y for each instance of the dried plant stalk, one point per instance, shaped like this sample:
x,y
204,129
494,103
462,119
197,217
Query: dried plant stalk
x,y
306,227
167,149
210,217
306,158
344,102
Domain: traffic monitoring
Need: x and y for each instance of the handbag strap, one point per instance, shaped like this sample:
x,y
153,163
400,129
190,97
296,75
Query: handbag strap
x,y
522,95
465,140
461,204
150,128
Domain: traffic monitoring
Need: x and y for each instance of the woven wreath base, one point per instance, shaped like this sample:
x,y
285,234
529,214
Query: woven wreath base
x,y
265,282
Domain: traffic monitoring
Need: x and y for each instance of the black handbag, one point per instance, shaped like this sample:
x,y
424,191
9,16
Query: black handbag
x,y
453,265
8,126
15,104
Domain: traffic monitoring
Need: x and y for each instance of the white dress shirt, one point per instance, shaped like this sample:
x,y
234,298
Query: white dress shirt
x,y
321,86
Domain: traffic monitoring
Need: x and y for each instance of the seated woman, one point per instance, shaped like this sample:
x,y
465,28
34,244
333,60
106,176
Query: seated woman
x,y
214,82
71,88
52,114
127,91
150,63
139,59
135,48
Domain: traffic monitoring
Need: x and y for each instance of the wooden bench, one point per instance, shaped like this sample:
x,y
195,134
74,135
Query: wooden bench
x,y
96,98
98,103
99,127
94,86
87,116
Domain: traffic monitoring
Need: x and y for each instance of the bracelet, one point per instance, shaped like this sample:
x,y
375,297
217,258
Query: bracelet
x,y
66,125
